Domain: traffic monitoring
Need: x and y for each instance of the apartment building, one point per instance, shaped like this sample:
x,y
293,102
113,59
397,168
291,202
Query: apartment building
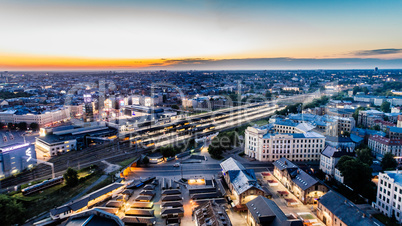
x,y
330,157
389,194
380,145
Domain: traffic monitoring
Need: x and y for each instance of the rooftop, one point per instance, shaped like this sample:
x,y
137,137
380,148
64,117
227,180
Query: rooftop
x,y
332,152
266,212
346,211
386,141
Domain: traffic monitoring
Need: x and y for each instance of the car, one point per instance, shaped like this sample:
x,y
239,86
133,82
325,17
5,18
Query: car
x,y
176,164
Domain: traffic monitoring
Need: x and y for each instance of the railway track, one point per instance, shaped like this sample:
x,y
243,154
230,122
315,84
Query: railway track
x,y
122,150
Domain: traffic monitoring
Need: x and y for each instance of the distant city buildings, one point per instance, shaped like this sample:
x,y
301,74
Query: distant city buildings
x,y
42,119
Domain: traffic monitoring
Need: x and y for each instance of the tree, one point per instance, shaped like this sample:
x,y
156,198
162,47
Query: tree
x,y
12,212
34,126
356,113
71,177
175,107
356,89
215,152
215,149
388,161
10,126
377,127
356,173
364,155
365,90
145,160
386,106
168,151
22,126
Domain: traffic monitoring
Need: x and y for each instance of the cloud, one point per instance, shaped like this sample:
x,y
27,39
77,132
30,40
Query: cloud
x,y
377,52
282,63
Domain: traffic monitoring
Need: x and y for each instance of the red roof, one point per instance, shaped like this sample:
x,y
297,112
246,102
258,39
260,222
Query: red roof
x,y
385,141
384,122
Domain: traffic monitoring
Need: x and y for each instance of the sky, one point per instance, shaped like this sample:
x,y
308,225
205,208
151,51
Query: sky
x,y
199,34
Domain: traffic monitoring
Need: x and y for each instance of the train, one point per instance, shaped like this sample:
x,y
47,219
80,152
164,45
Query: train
x,y
43,185
208,123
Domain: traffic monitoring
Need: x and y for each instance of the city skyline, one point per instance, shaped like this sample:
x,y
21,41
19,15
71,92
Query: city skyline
x,y
202,35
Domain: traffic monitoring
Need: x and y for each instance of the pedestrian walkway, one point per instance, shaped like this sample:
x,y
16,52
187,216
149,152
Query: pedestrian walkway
x,y
282,203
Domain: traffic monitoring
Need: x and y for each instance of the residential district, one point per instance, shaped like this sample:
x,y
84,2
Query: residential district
x,y
320,147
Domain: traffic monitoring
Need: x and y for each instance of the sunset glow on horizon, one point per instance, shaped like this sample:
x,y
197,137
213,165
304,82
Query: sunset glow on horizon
x,y
113,35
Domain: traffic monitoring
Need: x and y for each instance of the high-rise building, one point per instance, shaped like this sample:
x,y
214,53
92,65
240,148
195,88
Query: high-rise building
x,y
88,108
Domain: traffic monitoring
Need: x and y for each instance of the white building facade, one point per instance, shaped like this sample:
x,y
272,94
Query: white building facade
x,y
380,145
389,194
264,146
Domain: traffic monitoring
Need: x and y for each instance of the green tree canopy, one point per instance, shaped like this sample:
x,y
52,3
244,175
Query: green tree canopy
x,y
12,212
356,173
145,160
71,177
365,156
386,106
388,161
34,126
215,149
22,126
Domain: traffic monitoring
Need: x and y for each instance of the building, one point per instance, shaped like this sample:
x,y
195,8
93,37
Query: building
x,y
88,108
263,145
383,124
94,217
56,141
16,157
241,181
365,133
389,194
335,210
85,202
367,118
338,175
155,157
330,157
211,213
301,184
395,132
46,118
380,145
340,142
262,212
